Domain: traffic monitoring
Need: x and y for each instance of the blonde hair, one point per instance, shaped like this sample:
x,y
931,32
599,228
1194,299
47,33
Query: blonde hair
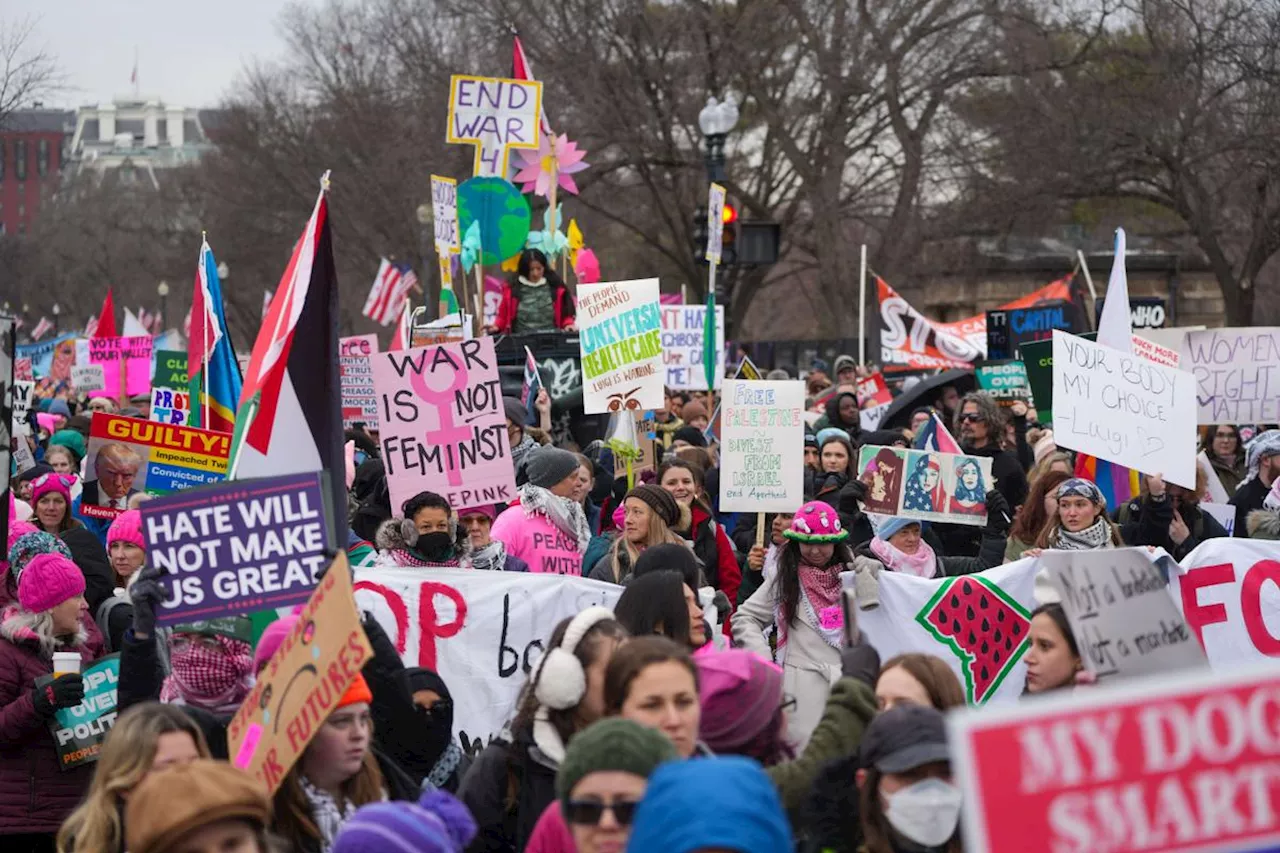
x,y
124,762
657,534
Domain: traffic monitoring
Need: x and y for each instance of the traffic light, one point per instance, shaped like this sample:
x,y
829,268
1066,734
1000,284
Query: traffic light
x,y
699,236
729,239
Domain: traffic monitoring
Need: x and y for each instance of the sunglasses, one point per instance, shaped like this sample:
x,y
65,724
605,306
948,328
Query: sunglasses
x,y
971,418
589,812
439,711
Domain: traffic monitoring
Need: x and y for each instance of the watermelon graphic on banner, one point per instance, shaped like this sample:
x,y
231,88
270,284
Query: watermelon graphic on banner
x,y
978,624
985,628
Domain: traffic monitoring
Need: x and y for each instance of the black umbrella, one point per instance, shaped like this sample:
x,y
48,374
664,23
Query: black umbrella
x,y
923,393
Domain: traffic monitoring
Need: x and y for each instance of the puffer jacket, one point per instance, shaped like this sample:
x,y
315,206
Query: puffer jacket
x,y
35,794
505,825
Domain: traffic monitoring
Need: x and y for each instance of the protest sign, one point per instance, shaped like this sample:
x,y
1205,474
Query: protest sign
x,y
1174,339
1226,589
682,336
239,547
1224,514
131,355
170,394
483,632
78,732
762,446
925,484
1124,409
302,683
1005,382
51,359
620,336
647,436
495,115
978,624
1176,764
1124,621
444,212
1034,323
715,222
130,455
874,399
22,370
355,375
999,345
21,402
89,377
1237,374
1154,352
442,424
8,334
1145,312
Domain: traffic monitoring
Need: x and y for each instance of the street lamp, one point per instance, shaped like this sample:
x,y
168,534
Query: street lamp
x,y
57,309
715,121
163,290
224,271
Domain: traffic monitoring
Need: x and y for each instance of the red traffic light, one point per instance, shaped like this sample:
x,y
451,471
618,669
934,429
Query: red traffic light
x,y
729,215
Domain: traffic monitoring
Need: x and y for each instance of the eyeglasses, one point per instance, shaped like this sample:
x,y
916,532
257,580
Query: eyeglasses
x,y
970,418
437,712
589,812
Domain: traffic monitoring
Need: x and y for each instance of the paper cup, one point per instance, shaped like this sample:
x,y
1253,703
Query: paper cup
x,y
65,663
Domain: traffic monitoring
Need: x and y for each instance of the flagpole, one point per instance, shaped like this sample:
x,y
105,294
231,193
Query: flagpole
x,y
1088,279
862,308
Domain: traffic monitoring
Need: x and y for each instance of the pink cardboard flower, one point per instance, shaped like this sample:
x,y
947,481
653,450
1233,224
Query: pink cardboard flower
x,y
535,176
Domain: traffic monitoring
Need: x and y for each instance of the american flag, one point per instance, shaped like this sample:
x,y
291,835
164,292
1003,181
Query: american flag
x,y
42,328
390,290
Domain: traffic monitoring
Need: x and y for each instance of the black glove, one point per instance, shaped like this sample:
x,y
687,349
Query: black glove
x,y
855,490
147,592
65,691
999,516
862,662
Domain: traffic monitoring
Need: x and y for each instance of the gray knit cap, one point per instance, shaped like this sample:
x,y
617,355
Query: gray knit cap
x,y
546,466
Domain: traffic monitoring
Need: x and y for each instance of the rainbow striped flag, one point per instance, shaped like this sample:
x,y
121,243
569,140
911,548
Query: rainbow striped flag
x,y
1117,483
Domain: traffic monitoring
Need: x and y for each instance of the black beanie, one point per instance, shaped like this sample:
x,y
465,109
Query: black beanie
x,y
690,435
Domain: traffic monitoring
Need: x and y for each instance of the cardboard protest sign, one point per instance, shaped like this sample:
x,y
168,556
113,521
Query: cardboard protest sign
x,y
1005,382
444,211
78,732
355,375
131,355
647,434
1177,763
495,115
1124,621
925,484
21,403
22,369
51,359
88,377
130,455
1237,374
170,394
1226,589
1124,409
302,683
762,446
620,336
1037,358
682,337
239,547
715,222
483,632
978,624
1154,352
442,424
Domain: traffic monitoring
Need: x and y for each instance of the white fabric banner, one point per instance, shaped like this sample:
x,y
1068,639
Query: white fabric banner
x,y
1229,592
977,623
483,632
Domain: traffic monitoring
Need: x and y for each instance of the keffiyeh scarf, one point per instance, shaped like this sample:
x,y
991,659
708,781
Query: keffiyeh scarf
x,y
1263,445
215,680
521,450
565,514
1093,537
490,558
328,814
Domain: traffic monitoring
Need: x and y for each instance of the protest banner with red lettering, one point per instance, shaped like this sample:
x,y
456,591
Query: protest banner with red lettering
x,y
481,631
302,683
239,547
442,424
132,355
130,455
1168,763
355,371
1228,590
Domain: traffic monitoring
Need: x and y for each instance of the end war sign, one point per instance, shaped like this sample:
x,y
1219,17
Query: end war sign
x,y
442,424
239,547
495,115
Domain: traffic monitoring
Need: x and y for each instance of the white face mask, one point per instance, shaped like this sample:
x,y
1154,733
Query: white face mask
x,y
926,812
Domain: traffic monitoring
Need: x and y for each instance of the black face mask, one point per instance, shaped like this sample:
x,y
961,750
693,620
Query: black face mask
x,y
434,547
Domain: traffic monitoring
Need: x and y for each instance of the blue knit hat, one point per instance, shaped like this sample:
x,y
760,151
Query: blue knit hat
x,y
711,803
32,545
437,823
887,525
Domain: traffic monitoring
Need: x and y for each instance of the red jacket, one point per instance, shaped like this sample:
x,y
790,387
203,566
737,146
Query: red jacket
x,y
716,553
566,313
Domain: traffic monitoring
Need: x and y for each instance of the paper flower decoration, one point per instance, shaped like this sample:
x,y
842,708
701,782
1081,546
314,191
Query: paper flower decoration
x,y
556,159
550,242
576,243
587,267
511,264
471,248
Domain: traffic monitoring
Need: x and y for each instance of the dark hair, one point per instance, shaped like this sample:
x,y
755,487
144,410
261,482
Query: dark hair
x,y
425,500
670,557
937,679
851,467
1206,443
989,411
788,589
1031,516
527,257
633,658
654,604
876,832
698,473
1059,616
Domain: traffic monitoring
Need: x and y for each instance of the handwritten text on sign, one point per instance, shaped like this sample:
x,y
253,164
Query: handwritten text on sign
x,y
619,333
1124,409
683,328
495,115
1237,373
442,424
762,450
444,210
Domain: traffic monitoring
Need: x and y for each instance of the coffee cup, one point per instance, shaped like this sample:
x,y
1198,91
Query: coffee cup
x,y
65,663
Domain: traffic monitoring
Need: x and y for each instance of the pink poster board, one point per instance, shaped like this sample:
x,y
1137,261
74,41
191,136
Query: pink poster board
x,y
133,352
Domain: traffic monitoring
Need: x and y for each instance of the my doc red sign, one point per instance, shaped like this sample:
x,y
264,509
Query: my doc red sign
x,y
1229,593
1168,764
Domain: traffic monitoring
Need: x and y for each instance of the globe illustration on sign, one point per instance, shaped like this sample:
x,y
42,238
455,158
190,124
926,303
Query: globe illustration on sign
x,y
503,214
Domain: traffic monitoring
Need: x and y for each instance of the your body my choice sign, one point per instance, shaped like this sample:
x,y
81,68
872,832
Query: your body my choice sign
x,y
239,547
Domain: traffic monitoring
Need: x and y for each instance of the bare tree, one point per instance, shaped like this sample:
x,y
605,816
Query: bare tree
x,y
27,72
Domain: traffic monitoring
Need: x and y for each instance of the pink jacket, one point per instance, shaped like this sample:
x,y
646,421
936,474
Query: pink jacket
x,y
551,834
534,539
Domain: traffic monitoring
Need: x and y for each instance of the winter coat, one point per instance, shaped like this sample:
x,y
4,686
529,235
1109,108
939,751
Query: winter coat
x,y
562,301
534,539
832,418
1247,498
990,555
603,569
1146,521
504,827
397,784
1231,475
712,546
36,795
395,552
91,557
1008,473
551,834
1263,524
142,675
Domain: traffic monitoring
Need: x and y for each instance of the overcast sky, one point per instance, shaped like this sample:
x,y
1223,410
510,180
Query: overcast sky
x,y
189,53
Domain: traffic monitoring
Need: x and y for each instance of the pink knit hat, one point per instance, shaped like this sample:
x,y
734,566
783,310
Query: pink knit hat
x,y
47,581
489,511
45,421
816,522
741,695
46,483
127,528
271,639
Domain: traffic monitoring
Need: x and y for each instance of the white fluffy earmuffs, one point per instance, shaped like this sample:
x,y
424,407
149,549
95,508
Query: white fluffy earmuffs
x,y
561,682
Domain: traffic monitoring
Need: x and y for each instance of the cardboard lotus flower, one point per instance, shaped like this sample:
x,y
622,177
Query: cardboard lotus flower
x,y
471,246
587,267
576,243
552,243
557,156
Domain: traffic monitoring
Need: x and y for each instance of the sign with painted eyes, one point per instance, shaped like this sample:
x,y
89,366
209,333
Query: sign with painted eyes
x,y
620,335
